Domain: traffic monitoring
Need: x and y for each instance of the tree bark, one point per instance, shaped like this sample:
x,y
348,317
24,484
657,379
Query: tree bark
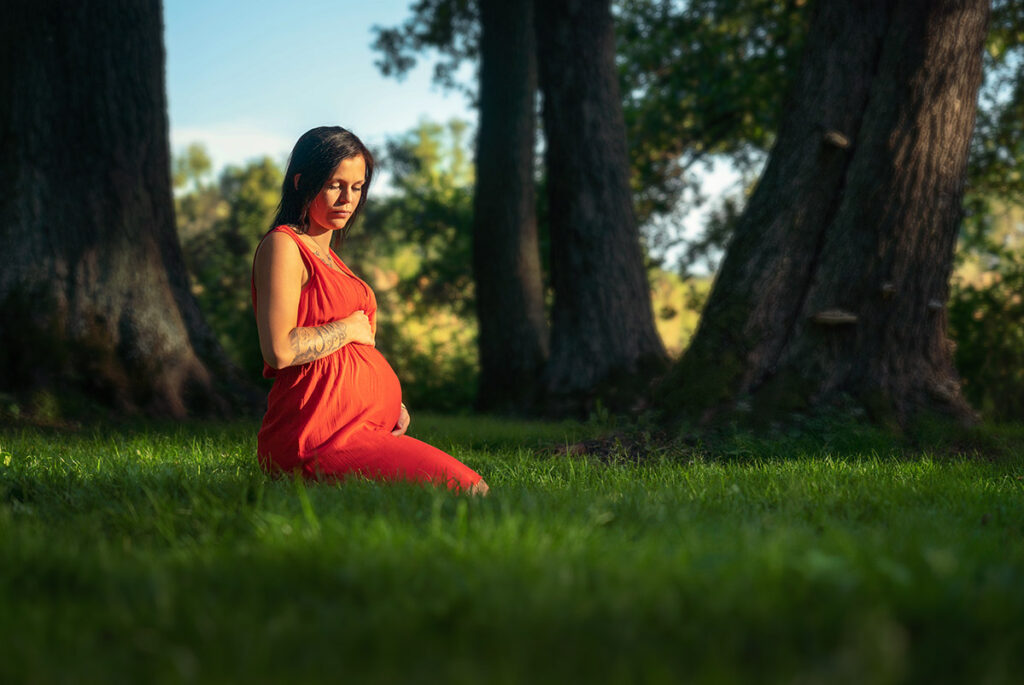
x,y
834,285
94,296
603,338
513,337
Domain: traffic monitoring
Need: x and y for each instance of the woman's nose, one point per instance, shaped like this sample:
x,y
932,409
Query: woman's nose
x,y
344,197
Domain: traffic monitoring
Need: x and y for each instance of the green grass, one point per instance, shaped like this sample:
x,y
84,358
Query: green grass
x,y
162,554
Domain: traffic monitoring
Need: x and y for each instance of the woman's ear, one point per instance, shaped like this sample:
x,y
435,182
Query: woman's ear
x,y
295,181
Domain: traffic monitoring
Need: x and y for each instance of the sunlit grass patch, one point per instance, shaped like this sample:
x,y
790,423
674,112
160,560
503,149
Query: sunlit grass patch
x,y
163,553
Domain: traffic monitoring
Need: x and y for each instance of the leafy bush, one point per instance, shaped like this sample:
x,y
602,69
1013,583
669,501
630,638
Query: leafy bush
x,y
220,226
986,318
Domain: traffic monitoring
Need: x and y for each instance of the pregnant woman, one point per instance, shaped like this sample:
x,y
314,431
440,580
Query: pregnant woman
x,y
336,405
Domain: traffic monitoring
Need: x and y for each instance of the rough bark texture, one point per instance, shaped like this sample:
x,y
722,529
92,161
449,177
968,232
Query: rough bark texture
x,y
603,338
867,229
94,295
506,258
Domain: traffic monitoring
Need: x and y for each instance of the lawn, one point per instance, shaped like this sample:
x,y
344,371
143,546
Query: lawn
x,y
157,553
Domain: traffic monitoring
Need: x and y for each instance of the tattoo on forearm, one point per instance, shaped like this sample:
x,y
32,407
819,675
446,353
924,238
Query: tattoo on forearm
x,y
313,342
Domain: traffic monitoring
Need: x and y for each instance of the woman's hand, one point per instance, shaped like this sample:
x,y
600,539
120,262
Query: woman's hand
x,y
357,328
403,422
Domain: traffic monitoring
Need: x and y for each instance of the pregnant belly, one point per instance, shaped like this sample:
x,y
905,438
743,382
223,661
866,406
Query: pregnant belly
x,y
314,402
377,394
322,405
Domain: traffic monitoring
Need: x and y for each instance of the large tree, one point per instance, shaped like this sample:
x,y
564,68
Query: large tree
x,y
94,296
833,287
513,340
602,330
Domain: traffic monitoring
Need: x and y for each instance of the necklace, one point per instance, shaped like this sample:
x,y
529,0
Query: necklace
x,y
326,260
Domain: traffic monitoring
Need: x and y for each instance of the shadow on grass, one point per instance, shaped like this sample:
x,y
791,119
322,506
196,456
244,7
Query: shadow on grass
x,y
804,439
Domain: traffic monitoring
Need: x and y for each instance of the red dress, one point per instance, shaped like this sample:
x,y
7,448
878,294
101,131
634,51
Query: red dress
x,y
333,416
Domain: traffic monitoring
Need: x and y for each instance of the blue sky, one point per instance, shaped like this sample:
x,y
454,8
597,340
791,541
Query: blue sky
x,y
248,79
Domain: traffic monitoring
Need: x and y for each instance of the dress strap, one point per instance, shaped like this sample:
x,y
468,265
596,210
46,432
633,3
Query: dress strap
x,y
313,256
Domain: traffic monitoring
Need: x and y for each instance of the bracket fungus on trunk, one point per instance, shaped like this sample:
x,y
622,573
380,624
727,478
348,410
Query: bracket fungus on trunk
x,y
836,139
834,317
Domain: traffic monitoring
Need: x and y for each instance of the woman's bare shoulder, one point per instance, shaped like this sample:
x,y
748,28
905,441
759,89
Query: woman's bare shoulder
x,y
279,254
277,246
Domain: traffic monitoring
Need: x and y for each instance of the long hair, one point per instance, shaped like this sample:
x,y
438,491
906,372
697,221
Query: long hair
x,y
315,156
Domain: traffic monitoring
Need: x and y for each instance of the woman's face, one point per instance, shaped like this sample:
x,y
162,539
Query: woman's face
x,y
339,197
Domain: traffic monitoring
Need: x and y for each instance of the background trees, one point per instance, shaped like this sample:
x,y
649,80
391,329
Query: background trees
x,y
706,80
220,224
698,81
602,324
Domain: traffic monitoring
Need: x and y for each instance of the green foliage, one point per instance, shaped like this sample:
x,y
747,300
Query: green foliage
x,y
192,167
449,27
422,229
220,226
415,245
197,202
700,79
997,149
986,319
986,314
704,251
163,554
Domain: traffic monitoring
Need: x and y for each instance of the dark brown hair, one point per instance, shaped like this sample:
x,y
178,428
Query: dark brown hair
x,y
315,156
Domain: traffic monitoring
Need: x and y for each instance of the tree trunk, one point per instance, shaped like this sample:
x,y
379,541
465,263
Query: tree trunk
x,y
94,296
506,259
833,288
603,339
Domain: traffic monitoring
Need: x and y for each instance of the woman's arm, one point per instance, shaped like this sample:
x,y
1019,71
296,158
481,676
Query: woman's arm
x,y
280,275
312,342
